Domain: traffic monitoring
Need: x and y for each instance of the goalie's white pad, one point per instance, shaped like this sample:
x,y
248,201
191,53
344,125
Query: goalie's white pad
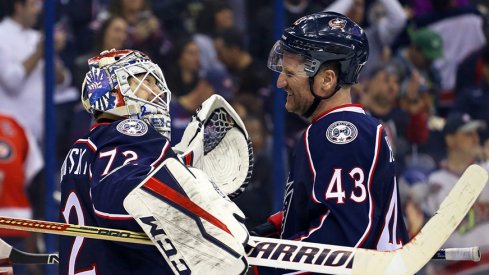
x,y
217,142
196,228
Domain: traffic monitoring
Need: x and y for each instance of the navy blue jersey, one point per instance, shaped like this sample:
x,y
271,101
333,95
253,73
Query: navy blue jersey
x,y
98,172
342,188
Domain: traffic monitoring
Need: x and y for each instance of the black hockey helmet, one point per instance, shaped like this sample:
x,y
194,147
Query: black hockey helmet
x,y
323,37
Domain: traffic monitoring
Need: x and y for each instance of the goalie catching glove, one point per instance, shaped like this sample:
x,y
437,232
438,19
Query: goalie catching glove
x,y
197,229
217,142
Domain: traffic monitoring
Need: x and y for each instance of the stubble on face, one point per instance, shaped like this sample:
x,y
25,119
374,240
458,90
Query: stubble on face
x,y
296,85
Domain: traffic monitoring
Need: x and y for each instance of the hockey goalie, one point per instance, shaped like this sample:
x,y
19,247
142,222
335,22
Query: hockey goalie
x,y
123,174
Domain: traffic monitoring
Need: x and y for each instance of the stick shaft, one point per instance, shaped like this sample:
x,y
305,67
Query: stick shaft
x,y
74,230
110,234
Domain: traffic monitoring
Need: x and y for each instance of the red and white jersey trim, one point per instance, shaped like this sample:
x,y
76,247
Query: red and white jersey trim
x,y
378,138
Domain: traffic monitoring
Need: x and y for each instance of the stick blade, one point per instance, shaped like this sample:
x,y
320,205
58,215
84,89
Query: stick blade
x,y
414,255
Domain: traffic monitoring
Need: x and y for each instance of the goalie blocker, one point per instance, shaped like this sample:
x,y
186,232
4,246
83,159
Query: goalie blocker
x,y
197,229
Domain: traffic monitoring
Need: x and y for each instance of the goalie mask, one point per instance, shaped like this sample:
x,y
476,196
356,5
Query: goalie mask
x,y
126,83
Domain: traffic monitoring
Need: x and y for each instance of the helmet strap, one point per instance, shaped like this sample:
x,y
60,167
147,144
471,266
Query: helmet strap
x,y
317,99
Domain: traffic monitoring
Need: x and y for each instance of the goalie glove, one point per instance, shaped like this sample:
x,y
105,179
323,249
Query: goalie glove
x,y
216,141
196,228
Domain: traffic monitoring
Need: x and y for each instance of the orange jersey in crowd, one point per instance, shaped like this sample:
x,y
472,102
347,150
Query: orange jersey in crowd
x,y
20,160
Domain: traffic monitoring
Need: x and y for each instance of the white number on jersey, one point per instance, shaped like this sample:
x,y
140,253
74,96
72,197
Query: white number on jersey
x,y
74,203
335,183
336,191
129,155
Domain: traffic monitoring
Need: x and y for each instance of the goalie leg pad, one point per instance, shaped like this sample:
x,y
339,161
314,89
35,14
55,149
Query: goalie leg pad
x,y
190,222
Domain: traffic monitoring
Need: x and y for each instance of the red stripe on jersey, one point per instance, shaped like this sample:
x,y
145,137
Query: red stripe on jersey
x,y
313,229
112,217
333,109
169,193
88,142
161,157
98,124
311,165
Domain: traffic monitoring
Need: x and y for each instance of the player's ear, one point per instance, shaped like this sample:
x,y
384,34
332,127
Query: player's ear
x,y
328,80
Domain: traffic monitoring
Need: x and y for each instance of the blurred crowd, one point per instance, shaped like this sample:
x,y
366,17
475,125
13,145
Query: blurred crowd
x,y
427,81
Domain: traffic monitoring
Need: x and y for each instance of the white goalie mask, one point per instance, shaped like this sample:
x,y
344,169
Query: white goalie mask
x,y
107,88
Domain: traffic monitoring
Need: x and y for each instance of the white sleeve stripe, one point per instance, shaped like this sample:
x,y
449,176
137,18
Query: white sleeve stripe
x,y
314,229
107,215
383,244
378,138
311,164
89,143
111,216
160,158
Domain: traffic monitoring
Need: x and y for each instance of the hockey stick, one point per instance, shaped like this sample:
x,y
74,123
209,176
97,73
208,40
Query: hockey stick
x,y
10,255
320,257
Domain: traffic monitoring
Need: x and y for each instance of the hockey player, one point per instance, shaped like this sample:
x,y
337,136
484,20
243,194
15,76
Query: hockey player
x,y
342,188
128,151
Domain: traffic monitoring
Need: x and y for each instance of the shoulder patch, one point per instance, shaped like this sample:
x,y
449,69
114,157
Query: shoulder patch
x,y
132,127
5,150
341,132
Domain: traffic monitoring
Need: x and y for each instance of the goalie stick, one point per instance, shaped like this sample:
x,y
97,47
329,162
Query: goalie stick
x,y
320,258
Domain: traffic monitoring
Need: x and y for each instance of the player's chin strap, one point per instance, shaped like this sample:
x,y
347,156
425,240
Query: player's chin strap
x,y
317,98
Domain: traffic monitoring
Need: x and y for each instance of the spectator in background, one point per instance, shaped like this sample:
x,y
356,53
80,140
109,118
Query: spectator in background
x,y
185,82
182,70
419,86
145,31
387,19
112,34
414,63
261,27
469,71
421,7
249,75
20,161
474,100
215,16
257,200
184,106
460,29
463,149
252,81
21,53
380,100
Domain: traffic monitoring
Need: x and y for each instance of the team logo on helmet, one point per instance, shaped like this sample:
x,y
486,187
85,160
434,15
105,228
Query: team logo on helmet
x,y
132,127
300,20
5,151
98,88
341,132
337,23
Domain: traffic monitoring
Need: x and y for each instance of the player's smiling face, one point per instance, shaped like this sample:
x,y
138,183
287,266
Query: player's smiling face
x,y
295,82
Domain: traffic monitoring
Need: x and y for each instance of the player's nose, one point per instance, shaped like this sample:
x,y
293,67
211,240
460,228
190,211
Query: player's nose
x,y
281,82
